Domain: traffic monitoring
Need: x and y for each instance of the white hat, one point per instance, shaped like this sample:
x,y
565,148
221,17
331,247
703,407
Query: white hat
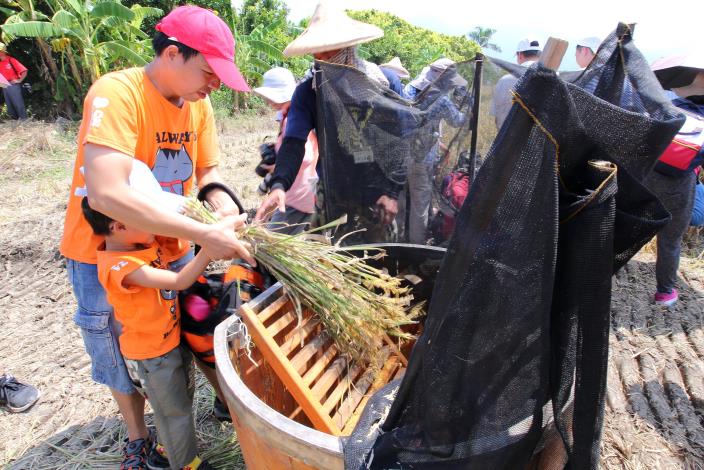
x,y
530,43
331,29
433,71
395,65
592,43
278,85
443,64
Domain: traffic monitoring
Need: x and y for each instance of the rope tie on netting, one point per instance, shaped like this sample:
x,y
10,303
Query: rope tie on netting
x,y
597,191
596,163
521,103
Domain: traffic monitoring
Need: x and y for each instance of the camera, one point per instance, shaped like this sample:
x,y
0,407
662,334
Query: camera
x,y
265,185
267,153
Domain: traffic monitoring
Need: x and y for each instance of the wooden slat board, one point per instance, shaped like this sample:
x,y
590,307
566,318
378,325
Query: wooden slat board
x,y
330,391
553,52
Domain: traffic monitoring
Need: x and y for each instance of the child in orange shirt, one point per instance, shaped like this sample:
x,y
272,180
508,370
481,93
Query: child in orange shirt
x,y
143,293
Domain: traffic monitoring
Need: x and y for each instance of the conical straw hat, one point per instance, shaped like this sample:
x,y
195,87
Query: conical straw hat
x,y
395,65
331,29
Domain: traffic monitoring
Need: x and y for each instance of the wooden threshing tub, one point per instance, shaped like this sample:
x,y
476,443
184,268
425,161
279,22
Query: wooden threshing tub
x,y
273,430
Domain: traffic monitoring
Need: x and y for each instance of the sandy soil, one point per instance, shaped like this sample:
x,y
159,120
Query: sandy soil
x,y
655,412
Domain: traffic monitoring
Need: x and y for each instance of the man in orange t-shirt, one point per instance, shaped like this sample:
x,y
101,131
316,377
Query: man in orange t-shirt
x,y
159,114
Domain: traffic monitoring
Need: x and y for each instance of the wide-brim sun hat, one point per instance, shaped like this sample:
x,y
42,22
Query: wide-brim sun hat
x,y
442,64
331,29
395,65
278,85
678,71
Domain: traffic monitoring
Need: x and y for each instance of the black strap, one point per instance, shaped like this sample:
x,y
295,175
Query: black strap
x,y
203,193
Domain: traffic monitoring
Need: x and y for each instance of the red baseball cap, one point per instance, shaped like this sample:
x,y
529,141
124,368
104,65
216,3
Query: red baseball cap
x,y
202,30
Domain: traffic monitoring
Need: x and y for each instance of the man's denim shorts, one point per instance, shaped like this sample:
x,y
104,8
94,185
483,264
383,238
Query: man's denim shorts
x,y
94,316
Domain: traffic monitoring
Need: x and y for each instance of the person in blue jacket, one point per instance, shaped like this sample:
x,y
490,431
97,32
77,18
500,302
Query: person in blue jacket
x,y
332,37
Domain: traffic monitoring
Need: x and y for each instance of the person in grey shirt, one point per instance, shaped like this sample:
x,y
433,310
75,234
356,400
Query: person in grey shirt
x,y
527,53
421,167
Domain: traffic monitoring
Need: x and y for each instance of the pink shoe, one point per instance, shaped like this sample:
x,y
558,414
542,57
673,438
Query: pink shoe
x,y
666,300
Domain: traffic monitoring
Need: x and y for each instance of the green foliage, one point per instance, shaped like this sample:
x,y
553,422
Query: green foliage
x,y
482,36
102,35
415,46
266,21
221,7
263,12
261,32
69,43
226,101
223,101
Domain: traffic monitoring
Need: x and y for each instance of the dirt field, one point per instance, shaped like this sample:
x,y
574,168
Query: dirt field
x,y
655,412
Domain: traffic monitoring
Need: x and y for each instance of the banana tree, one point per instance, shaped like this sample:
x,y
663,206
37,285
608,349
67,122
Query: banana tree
x,y
24,10
254,55
103,34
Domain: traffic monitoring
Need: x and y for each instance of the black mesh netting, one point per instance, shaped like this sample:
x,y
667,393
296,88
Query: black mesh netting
x,y
368,134
517,329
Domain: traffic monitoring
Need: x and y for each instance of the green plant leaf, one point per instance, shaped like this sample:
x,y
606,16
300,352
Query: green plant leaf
x,y
32,29
78,7
266,48
123,50
257,65
64,19
107,8
137,33
146,12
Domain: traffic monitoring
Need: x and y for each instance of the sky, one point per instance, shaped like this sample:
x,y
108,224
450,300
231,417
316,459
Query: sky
x,y
658,32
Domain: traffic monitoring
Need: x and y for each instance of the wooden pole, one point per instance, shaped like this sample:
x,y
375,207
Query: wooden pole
x,y
553,52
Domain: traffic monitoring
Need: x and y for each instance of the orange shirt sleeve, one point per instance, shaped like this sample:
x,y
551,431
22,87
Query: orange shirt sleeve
x,y
208,148
117,269
114,118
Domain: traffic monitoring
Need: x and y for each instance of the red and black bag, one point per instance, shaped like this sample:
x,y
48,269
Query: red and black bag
x,y
454,190
210,300
685,152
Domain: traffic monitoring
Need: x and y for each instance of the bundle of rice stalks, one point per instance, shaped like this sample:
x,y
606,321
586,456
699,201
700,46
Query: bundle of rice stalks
x,y
358,304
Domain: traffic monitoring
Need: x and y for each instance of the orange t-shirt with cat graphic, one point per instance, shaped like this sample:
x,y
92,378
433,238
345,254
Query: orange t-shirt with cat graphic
x,y
124,111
